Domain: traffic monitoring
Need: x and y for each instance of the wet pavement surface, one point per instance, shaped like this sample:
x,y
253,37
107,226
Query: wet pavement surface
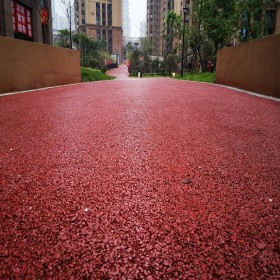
x,y
139,179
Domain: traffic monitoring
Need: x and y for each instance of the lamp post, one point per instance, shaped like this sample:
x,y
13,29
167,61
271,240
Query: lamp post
x,y
185,12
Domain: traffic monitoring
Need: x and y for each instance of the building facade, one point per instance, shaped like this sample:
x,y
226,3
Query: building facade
x,y
125,21
273,18
153,25
157,11
25,20
101,19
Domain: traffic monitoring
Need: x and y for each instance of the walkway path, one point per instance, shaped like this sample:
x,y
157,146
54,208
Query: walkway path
x,y
121,73
139,179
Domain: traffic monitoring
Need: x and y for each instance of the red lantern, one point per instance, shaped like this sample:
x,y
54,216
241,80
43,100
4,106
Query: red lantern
x,y
44,16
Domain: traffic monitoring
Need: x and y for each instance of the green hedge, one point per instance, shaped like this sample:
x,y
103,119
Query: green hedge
x,y
198,77
90,75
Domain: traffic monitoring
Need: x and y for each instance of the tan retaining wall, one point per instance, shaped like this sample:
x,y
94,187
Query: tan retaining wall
x,y
26,65
254,66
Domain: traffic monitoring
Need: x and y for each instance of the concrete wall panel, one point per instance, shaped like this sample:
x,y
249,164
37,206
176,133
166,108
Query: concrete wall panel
x,y
254,66
26,65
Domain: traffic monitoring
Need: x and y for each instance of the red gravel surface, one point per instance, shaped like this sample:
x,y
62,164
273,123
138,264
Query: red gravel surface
x,y
139,179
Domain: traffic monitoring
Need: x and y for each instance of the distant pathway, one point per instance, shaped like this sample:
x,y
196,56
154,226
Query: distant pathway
x,y
139,179
121,73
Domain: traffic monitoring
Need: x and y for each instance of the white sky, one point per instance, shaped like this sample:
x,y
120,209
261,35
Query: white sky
x,y
137,13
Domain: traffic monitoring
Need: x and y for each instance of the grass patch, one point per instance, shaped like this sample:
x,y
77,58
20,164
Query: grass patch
x,y
198,77
146,75
152,76
91,75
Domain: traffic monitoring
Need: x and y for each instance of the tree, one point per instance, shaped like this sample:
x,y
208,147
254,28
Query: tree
x,y
171,29
171,63
63,38
92,50
252,18
207,53
69,11
146,50
134,58
196,39
218,19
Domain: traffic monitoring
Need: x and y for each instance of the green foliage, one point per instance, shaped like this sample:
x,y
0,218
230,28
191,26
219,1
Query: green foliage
x,y
63,39
128,48
92,50
199,77
171,63
134,58
207,52
252,18
155,66
90,75
218,19
103,69
214,25
172,28
146,50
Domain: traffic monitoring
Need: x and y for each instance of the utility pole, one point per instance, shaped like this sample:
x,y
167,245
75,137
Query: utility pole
x,y
185,12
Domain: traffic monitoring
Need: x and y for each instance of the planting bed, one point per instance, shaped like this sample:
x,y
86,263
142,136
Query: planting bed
x,y
139,179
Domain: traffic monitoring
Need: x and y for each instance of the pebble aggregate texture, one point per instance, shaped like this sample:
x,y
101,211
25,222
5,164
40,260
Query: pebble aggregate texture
x,y
139,179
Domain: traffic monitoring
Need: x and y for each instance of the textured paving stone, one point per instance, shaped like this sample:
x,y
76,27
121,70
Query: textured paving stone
x,y
139,179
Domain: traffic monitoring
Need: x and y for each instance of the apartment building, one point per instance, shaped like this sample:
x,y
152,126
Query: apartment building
x,y
273,18
101,19
157,11
153,25
26,20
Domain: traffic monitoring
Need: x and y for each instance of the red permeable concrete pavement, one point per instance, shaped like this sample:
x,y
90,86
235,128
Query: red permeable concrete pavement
x,y
139,179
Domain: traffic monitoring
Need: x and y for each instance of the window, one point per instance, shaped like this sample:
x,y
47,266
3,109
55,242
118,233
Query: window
x,y
83,17
170,5
110,41
98,33
98,20
109,14
103,14
270,22
22,20
104,37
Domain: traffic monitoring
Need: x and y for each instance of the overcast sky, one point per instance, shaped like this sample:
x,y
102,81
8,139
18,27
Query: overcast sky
x,y
137,13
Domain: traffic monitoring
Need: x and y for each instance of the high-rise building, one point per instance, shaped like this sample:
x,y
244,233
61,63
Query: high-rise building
x,y
153,26
26,20
157,11
101,19
125,21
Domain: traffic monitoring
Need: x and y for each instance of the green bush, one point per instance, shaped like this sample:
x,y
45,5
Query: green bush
x,y
103,69
90,75
199,77
171,63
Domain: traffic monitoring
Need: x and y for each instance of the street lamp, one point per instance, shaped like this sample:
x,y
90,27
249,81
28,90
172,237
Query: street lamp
x,y
185,12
